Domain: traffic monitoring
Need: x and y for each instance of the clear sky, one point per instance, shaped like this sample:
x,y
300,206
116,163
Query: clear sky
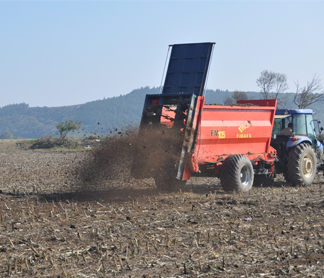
x,y
56,53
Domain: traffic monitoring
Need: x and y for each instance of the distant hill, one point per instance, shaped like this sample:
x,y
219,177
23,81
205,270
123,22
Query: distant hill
x,y
100,116
35,122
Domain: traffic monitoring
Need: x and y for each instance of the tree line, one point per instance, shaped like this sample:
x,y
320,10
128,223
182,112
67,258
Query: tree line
x,y
274,84
109,115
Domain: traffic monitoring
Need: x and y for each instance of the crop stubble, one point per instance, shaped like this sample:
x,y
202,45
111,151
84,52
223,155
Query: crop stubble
x,y
126,228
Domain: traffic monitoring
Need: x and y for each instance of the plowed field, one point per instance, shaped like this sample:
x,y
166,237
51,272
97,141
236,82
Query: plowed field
x,y
52,227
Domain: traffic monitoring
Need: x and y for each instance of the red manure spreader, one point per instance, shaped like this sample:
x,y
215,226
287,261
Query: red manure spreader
x,y
181,136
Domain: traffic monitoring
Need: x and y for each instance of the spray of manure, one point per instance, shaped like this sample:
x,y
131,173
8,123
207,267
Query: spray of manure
x,y
132,160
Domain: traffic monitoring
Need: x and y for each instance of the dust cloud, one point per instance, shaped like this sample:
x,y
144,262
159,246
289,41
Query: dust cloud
x,y
133,159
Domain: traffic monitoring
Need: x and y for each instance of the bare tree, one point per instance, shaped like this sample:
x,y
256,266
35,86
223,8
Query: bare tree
x,y
235,96
309,94
240,95
272,84
266,82
229,101
281,85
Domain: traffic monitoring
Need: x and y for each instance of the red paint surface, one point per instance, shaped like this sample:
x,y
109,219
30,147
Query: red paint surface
x,y
226,130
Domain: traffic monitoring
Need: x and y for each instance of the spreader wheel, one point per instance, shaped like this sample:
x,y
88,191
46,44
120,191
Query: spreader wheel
x,y
237,173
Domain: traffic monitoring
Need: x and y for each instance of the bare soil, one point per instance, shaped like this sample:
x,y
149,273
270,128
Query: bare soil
x,y
53,224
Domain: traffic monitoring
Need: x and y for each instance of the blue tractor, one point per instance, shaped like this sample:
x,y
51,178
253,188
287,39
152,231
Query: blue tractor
x,y
295,136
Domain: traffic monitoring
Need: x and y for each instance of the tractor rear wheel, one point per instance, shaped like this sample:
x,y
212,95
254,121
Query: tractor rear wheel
x,y
301,165
237,173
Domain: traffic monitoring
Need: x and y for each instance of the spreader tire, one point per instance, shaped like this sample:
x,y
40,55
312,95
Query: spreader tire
x,y
301,165
237,173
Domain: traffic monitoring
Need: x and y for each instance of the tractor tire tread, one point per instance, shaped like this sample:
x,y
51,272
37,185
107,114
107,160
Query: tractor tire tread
x,y
295,164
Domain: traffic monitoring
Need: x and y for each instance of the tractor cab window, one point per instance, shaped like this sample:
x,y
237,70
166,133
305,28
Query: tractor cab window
x,y
310,127
317,128
277,127
299,124
281,123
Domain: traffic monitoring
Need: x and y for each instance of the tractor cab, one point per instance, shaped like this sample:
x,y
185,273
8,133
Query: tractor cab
x,y
319,131
294,127
294,130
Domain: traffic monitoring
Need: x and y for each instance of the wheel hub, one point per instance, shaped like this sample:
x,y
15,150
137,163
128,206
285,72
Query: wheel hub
x,y
245,175
307,166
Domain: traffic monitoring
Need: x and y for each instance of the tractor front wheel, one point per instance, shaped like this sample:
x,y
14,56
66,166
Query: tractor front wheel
x,y
301,165
237,173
